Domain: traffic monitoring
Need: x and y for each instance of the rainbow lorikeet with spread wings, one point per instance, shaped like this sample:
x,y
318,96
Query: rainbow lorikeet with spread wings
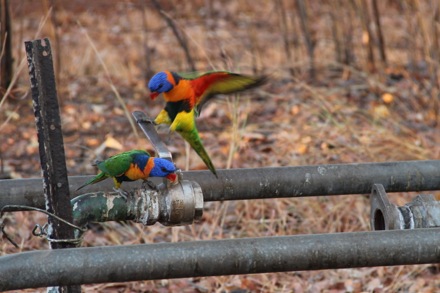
x,y
131,166
186,94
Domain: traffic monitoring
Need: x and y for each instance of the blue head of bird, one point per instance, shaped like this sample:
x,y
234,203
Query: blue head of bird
x,y
160,83
163,168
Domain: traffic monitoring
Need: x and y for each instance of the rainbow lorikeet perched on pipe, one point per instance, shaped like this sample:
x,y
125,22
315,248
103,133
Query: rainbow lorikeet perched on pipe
x,y
186,94
132,165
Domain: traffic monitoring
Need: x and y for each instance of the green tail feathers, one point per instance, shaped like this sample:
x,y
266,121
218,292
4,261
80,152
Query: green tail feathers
x,y
194,140
101,176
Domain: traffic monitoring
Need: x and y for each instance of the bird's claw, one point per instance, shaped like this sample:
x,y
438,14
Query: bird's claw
x,y
147,120
150,184
125,194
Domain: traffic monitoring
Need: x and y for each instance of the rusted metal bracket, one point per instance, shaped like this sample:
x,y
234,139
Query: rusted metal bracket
x,y
147,126
422,212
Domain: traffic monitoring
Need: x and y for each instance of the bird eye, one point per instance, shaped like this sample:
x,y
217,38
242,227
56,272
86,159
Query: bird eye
x,y
164,169
160,86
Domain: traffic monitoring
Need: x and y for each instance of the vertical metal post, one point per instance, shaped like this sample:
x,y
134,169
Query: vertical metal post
x,y
51,146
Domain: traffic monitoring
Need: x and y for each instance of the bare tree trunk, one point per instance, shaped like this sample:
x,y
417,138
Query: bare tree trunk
x,y
336,23
6,52
427,26
349,55
380,39
285,31
56,35
309,39
179,36
411,44
362,10
255,50
436,55
148,73
342,31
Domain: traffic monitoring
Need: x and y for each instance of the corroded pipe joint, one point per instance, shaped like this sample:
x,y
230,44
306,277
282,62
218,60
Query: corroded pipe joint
x,y
180,204
170,205
422,212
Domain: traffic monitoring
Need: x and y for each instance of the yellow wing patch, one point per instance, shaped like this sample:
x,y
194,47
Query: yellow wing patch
x,y
184,122
163,118
117,184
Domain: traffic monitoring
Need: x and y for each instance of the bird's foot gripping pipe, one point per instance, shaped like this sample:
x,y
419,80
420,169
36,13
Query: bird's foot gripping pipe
x,y
422,212
172,205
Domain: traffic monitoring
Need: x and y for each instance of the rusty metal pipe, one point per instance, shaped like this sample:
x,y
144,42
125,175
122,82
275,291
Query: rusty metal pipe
x,y
221,257
259,183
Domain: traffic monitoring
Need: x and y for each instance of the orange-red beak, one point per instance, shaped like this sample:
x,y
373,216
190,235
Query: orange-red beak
x,y
154,95
172,177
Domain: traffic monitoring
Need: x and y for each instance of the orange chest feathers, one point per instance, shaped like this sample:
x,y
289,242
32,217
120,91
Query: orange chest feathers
x,y
135,172
182,91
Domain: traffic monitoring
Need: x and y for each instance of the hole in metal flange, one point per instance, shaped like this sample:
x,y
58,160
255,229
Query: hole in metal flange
x,y
379,220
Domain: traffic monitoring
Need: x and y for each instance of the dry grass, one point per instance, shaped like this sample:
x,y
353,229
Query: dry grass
x,y
340,117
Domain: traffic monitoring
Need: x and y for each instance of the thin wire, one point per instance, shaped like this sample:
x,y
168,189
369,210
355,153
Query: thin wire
x,y
43,229
2,226
44,234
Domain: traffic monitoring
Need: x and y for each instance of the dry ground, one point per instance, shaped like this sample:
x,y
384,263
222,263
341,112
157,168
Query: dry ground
x,y
345,114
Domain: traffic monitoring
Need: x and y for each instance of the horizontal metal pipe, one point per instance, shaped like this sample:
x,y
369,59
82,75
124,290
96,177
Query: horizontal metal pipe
x,y
259,183
222,257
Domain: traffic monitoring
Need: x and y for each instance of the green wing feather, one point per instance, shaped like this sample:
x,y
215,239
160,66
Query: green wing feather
x,y
193,74
101,176
114,166
195,142
184,124
117,164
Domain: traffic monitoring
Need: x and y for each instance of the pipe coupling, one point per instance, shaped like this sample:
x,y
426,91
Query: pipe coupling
x,y
179,204
422,212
